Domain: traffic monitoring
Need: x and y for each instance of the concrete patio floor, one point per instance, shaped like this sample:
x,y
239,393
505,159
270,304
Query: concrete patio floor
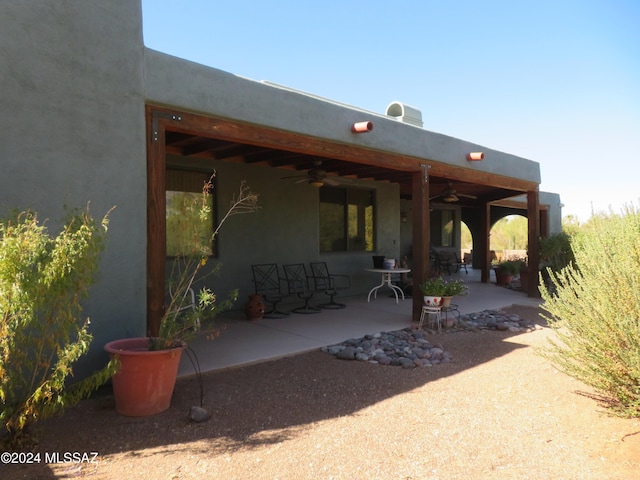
x,y
243,342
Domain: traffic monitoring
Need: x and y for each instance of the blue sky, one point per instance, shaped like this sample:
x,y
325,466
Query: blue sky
x,y
557,82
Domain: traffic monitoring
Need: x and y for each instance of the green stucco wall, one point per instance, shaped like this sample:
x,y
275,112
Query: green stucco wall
x,y
286,227
72,132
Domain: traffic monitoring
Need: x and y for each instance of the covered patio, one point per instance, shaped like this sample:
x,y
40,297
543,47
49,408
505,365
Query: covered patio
x,y
428,172
243,342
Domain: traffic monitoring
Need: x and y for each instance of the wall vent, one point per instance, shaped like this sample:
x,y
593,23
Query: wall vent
x,y
405,113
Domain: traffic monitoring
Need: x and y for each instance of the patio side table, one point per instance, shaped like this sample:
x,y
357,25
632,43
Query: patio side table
x,y
386,280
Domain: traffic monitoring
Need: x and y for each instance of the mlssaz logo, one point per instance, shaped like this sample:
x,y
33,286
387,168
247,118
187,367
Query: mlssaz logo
x,y
71,457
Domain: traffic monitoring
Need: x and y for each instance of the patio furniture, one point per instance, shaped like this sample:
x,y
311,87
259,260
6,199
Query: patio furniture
x,y
427,311
451,308
439,262
460,264
298,284
387,280
329,283
267,282
186,303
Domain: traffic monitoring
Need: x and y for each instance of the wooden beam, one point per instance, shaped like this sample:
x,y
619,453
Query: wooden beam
x,y
484,243
156,219
460,174
234,131
533,214
420,249
513,204
230,130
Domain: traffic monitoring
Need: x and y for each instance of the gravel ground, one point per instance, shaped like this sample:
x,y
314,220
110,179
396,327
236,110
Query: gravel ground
x,y
498,411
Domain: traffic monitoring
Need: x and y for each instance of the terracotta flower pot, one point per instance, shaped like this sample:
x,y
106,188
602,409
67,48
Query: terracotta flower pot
x,y
144,383
502,277
254,308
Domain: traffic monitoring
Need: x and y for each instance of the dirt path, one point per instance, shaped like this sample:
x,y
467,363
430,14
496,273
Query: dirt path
x,y
498,411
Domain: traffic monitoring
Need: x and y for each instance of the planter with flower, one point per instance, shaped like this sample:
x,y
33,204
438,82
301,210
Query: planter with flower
x,y
505,271
433,291
523,272
453,288
148,369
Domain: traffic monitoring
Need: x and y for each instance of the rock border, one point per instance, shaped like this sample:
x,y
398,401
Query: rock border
x,y
409,347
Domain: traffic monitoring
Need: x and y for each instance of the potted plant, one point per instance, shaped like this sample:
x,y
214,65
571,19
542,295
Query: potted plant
x,y
453,288
505,271
148,368
432,291
523,271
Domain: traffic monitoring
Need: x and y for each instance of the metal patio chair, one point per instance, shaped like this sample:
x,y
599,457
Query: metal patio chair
x,y
268,283
329,283
298,284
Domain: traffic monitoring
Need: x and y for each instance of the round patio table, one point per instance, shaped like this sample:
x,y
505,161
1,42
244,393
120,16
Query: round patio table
x,y
386,280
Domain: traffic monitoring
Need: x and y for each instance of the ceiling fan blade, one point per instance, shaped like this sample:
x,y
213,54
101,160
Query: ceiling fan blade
x,y
316,176
316,172
330,181
473,197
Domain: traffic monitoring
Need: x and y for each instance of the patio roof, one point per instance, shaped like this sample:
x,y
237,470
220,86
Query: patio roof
x,y
340,170
260,123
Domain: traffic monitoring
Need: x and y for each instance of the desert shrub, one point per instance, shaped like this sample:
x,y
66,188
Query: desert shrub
x,y
42,281
556,251
594,309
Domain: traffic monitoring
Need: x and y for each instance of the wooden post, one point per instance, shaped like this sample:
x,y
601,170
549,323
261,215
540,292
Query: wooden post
x,y
156,221
420,267
533,214
485,244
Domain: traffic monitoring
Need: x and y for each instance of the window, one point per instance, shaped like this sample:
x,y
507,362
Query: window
x,y
442,228
447,228
347,220
186,231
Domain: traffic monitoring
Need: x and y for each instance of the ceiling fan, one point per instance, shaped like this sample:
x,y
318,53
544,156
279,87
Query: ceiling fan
x,y
450,195
315,176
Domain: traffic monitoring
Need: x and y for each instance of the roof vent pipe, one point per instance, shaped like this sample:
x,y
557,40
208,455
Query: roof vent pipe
x,y
405,113
362,127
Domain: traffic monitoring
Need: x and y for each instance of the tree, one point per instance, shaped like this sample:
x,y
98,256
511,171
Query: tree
x,y
510,233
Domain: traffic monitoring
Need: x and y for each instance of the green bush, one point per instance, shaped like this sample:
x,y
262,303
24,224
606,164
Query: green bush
x,y
42,281
510,267
594,308
556,251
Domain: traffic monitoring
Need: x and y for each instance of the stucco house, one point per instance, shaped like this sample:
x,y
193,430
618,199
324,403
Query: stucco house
x,y
89,114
